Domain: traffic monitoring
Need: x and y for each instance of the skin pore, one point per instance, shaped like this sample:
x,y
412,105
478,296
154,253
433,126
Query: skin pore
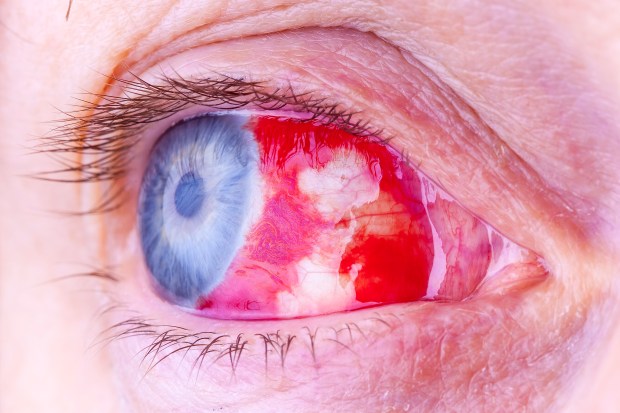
x,y
512,107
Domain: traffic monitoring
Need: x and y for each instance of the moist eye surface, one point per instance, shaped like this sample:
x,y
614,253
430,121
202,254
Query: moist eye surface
x,y
258,217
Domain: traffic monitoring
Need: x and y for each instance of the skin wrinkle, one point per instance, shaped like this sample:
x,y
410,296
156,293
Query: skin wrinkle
x,y
526,66
138,48
449,102
452,372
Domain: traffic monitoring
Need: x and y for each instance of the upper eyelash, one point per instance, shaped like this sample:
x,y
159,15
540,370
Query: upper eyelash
x,y
108,128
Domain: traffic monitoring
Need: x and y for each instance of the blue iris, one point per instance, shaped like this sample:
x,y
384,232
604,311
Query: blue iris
x,y
194,203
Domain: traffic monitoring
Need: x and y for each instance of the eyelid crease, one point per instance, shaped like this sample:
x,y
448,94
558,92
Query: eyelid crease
x,y
107,130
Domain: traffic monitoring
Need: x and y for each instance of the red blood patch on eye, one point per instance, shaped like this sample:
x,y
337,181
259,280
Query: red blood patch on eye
x,y
394,244
390,271
343,225
392,250
280,240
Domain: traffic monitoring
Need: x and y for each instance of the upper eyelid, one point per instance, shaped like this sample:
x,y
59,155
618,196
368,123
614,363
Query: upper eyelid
x,y
107,128
96,134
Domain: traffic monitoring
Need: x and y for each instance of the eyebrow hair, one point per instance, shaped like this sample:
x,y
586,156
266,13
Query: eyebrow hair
x,y
105,131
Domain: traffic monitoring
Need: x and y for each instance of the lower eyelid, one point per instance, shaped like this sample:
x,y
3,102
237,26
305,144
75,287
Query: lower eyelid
x,y
419,351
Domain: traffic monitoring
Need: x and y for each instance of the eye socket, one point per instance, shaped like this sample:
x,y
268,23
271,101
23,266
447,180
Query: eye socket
x,y
258,217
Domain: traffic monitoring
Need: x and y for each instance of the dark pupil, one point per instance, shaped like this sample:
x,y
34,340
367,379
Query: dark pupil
x,y
189,195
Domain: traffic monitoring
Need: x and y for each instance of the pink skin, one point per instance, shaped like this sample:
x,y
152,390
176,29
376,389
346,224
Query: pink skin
x,y
510,106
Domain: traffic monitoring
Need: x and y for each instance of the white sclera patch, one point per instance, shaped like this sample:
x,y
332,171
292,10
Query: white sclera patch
x,y
341,185
438,269
344,183
318,291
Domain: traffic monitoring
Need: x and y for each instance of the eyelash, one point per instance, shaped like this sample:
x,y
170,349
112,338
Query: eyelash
x,y
107,129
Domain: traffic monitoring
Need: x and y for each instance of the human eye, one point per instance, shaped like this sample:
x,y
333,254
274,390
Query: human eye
x,y
152,145
257,217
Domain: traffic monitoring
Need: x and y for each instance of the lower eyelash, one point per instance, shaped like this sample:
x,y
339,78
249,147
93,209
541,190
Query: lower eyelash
x,y
202,350
207,347
167,340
